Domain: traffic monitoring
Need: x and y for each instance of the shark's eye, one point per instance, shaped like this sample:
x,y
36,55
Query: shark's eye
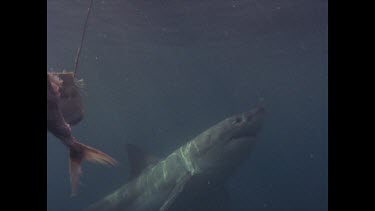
x,y
237,120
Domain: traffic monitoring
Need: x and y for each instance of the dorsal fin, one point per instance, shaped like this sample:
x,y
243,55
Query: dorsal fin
x,y
139,160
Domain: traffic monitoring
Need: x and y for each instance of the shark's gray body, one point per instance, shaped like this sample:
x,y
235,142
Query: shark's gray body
x,y
189,174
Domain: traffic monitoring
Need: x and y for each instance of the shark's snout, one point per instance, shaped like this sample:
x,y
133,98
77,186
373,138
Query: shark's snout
x,y
251,123
255,114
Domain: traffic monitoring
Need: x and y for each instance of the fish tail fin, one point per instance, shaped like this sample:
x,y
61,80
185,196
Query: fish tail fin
x,y
80,152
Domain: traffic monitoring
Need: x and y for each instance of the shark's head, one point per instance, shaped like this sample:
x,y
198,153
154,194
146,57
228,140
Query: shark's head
x,y
230,141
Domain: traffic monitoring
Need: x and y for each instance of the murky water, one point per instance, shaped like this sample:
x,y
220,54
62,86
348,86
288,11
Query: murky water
x,y
157,73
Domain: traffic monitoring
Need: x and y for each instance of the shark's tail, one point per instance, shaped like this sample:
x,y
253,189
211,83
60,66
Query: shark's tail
x,y
80,152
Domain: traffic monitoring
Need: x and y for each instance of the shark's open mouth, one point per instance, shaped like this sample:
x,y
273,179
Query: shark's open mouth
x,y
244,136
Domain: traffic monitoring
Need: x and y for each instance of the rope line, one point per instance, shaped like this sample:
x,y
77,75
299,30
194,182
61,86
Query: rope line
x,y
82,38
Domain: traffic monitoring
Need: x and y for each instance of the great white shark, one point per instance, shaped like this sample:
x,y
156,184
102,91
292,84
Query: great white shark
x,y
192,174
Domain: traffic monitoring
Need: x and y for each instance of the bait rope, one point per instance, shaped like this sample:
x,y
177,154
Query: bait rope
x,y
82,38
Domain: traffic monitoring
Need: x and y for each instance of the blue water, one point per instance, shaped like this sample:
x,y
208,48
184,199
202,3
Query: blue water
x,y
157,73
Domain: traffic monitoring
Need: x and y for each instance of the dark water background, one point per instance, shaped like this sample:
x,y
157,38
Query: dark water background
x,y
157,73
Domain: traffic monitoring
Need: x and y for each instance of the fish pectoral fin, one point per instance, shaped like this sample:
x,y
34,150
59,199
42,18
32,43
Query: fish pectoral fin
x,y
175,192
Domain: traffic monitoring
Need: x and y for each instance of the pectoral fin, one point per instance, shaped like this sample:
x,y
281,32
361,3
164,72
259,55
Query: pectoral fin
x,y
175,192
